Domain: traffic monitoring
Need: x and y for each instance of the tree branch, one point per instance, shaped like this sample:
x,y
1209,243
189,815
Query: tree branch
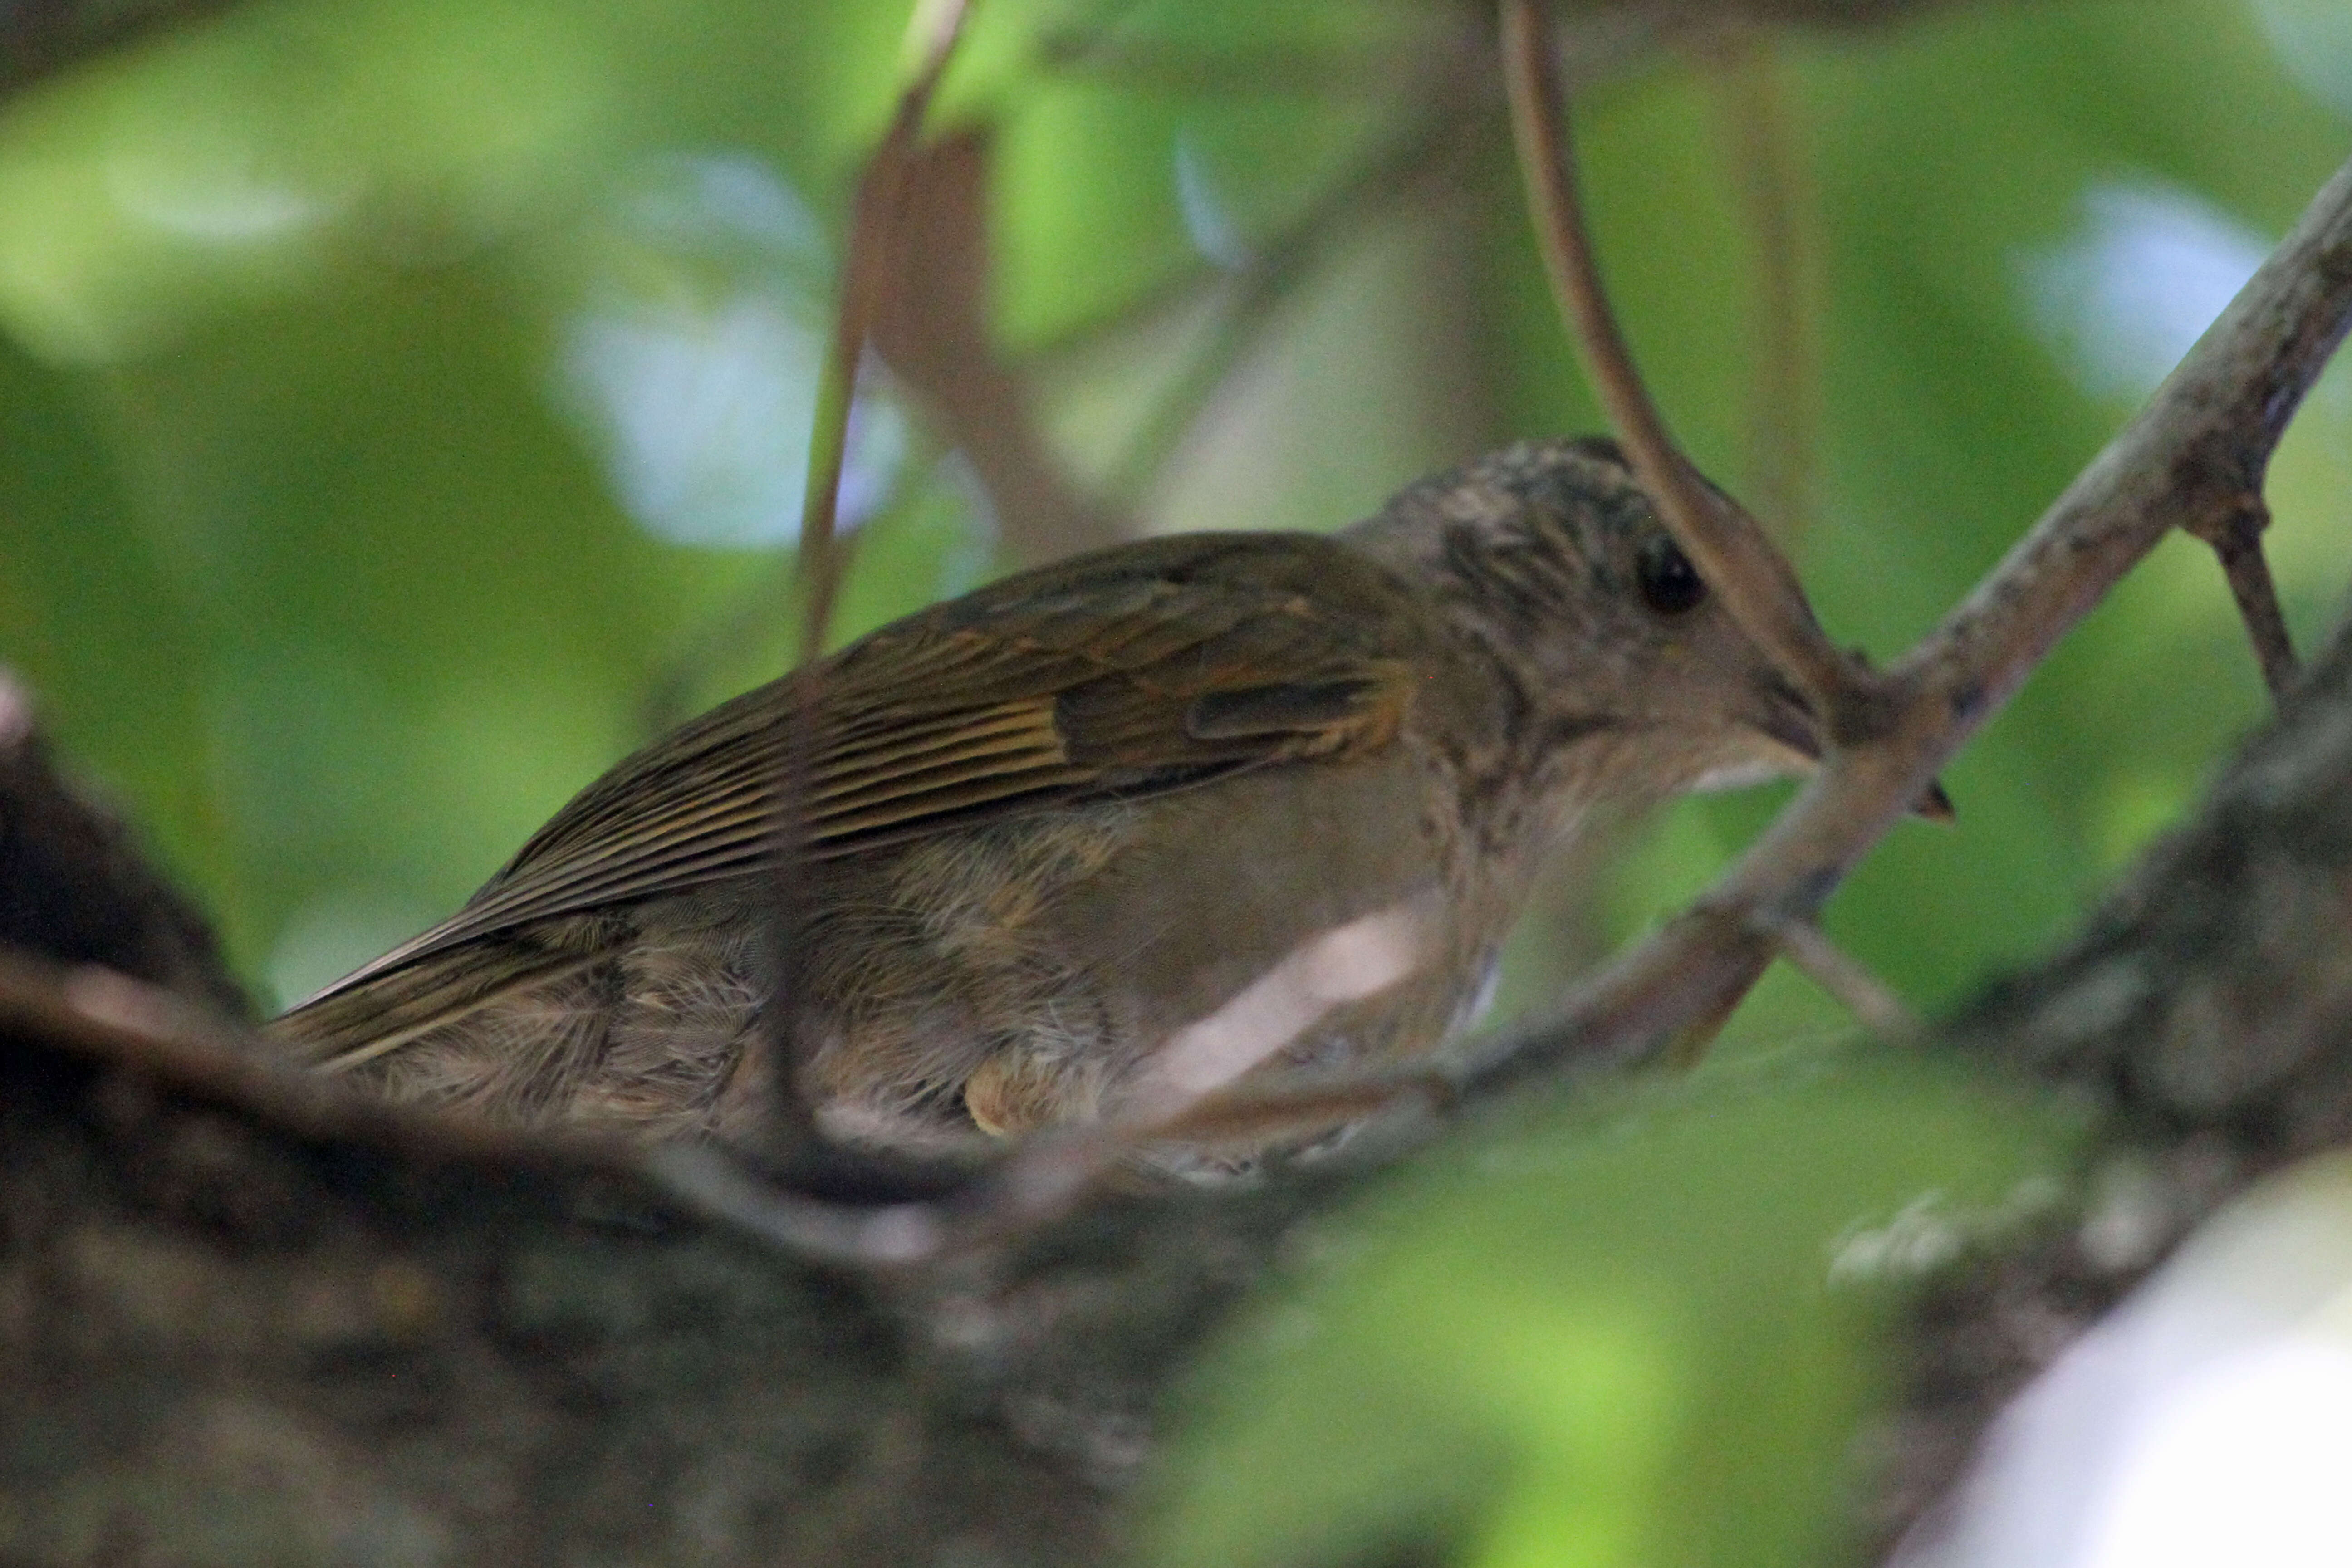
x,y
1739,561
2204,1016
2200,447
874,227
74,883
1873,1004
2235,534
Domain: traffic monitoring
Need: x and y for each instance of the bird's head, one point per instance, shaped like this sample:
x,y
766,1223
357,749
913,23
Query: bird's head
x,y
1641,684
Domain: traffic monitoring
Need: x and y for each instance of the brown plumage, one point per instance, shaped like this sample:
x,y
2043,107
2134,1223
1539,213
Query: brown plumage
x,y
1101,837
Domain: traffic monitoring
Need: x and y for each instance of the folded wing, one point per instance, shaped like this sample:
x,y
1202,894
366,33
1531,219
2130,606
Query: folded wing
x,y
1120,676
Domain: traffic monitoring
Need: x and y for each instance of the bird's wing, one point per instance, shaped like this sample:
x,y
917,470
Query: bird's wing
x,y
1116,677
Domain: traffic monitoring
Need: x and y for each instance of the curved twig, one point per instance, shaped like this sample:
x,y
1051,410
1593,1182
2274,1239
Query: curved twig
x,y
932,35
1730,550
2198,448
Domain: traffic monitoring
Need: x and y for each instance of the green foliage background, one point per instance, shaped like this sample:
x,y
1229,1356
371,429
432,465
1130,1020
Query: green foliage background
x,y
362,367
317,558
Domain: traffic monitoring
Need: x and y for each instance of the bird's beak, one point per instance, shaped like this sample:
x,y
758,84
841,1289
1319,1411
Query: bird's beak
x,y
1788,718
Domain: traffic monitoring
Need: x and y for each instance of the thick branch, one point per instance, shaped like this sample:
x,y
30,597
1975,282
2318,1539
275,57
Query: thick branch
x,y
74,883
2204,1013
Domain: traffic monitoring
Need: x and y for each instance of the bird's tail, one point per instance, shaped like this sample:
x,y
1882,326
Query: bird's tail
x,y
383,1007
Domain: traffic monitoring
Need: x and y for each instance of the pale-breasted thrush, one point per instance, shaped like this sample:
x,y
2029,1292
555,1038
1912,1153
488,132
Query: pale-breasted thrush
x,y
1102,837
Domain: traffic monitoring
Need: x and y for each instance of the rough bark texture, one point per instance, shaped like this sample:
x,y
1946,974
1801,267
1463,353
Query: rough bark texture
x,y
245,1322
2205,1013
73,884
241,1325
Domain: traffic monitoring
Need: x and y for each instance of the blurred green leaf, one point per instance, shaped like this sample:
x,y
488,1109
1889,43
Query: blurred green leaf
x,y
1633,1337
300,301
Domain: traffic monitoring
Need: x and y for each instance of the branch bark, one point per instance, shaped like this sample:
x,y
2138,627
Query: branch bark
x,y
1729,548
2205,1015
2198,449
2236,538
245,1319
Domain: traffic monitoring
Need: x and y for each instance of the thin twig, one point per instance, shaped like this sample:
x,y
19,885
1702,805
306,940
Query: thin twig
x,y
1727,546
2202,444
873,224
102,1014
1053,1173
1044,1179
1870,999
709,1180
2204,438
932,35
2235,533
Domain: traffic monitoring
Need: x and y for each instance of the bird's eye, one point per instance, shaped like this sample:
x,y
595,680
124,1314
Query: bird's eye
x,y
1670,584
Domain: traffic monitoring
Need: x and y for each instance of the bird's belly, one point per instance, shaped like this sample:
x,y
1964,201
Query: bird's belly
x,y
1111,961
1122,961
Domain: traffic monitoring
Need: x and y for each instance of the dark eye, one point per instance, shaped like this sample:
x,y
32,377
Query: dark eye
x,y
1670,584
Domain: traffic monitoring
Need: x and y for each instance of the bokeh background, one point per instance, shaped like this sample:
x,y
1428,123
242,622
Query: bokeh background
x,y
402,404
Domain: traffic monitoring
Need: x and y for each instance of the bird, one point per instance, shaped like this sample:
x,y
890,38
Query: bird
x,y
1097,840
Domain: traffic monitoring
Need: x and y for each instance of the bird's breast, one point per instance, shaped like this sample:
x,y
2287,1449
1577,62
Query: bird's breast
x,y
1120,961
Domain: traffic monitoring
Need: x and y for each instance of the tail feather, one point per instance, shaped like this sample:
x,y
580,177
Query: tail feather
x,y
357,1022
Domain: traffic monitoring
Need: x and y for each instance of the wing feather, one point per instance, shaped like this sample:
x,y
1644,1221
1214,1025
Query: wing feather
x,y
1148,669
